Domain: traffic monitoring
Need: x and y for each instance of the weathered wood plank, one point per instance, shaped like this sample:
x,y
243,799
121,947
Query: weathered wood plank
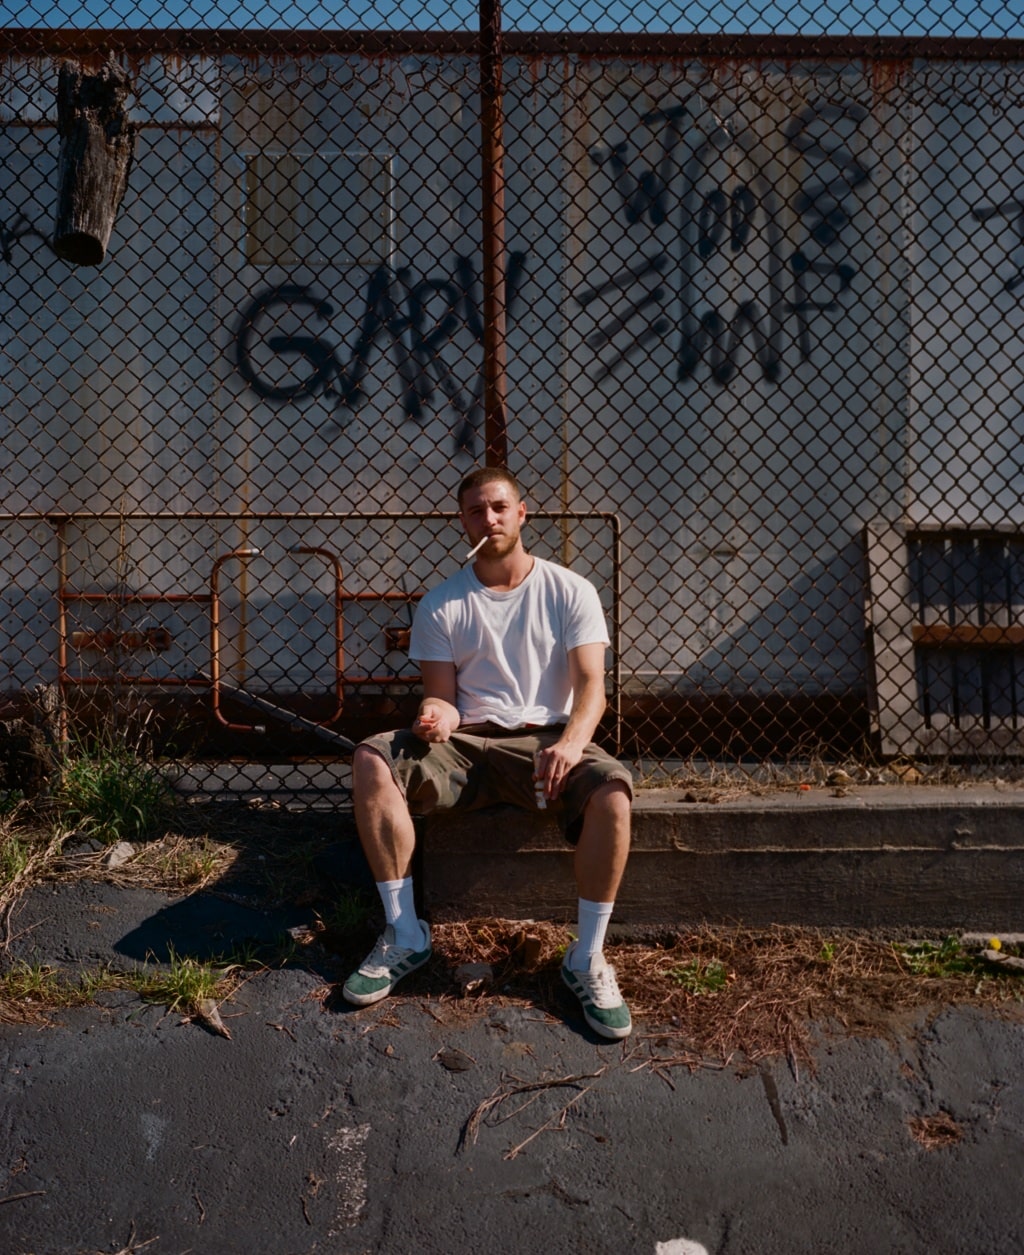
x,y
97,142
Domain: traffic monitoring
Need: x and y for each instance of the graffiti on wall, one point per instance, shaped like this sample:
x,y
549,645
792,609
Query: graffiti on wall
x,y
414,320
424,323
1013,210
20,228
802,281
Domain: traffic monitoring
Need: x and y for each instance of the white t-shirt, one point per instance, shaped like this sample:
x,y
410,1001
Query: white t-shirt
x,y
510,649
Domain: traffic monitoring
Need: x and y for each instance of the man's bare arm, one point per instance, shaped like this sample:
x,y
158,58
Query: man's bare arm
x,y
586,671
438,716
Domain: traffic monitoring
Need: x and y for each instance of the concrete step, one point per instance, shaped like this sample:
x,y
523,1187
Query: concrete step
x,y
929,857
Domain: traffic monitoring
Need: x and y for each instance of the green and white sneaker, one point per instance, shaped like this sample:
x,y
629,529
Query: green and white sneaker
x,y
384,967
598,992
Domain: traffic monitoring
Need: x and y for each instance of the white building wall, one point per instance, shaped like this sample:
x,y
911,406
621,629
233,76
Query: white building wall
x,y
859,234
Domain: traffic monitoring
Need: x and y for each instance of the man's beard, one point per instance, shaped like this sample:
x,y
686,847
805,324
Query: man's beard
x,y
501,546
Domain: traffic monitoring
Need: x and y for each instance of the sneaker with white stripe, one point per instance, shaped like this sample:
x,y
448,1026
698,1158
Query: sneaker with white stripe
x,y
598,992
384,967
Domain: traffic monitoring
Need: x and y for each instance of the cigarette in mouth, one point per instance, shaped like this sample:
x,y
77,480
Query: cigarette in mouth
x,y
477,547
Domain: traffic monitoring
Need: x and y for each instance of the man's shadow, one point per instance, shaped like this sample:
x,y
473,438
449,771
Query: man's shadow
x,y
244,915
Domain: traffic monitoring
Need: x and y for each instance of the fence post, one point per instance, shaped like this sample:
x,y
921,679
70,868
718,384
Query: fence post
x,y
492,185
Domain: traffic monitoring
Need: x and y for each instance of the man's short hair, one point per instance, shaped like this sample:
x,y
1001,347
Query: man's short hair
x,y
488,475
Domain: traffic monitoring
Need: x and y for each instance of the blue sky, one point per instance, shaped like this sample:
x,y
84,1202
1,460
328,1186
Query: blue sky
x,y
964,18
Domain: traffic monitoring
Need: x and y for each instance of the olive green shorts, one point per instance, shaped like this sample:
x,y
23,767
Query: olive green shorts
x,y
485,765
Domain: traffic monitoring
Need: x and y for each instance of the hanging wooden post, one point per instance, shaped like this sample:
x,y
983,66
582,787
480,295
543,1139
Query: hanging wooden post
x,y
96,146
492,183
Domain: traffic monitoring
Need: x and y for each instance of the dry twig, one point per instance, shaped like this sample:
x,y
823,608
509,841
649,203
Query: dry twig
x,y
501,1095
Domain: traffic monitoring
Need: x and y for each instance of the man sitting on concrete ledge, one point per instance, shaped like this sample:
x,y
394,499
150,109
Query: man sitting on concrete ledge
x,y
512,655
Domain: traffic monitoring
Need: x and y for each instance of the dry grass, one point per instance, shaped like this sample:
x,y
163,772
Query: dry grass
x,y
202,849
712,780
175,863
935,1131
26,859
715,995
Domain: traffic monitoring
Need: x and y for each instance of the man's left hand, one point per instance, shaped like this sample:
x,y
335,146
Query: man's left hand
x,y
552,767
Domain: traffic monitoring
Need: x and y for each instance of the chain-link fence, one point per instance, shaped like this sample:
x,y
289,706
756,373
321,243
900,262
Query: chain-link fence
x,y
735,294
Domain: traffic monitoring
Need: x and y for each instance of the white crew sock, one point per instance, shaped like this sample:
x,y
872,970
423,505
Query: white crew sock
x,y
400,912
593,924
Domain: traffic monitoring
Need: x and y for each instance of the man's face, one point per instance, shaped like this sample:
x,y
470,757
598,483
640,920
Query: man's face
x,y
493,510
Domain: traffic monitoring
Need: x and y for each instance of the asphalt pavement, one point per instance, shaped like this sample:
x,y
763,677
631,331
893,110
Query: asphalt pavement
x,y
426,1125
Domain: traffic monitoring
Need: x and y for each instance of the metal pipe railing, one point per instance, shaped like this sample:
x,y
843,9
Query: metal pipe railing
x,y
214,680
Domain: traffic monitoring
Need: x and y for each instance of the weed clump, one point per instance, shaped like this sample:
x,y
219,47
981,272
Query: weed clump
x,y
187,983
942,960
110,793
700,976
15,856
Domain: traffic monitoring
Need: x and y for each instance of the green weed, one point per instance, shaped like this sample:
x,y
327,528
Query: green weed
x,y
940,959
32,982
701,976
187,982
183,986
112,794
349,914
15,855
37,987
10,800
93,981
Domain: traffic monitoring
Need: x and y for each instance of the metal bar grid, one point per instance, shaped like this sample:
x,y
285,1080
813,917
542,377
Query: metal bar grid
x,y
208,675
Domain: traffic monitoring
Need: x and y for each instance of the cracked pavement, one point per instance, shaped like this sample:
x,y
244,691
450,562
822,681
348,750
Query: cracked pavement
x,y
432,1126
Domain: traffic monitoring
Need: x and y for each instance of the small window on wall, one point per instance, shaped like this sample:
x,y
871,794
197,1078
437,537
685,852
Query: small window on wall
x,y
318,207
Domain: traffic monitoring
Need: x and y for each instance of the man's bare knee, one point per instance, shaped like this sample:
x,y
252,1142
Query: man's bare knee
x,y
371,772
612,798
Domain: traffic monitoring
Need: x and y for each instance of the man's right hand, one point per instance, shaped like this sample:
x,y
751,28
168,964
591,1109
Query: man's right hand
x,y
435,723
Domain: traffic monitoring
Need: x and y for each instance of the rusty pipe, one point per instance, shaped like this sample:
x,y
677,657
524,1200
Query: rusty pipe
x,y
492,188
215,681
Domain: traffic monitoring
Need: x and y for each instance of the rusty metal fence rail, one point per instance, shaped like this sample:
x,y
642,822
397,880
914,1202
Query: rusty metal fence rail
x,y
738,300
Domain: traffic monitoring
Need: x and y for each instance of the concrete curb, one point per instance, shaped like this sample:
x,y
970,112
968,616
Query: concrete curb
x,y
924,857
